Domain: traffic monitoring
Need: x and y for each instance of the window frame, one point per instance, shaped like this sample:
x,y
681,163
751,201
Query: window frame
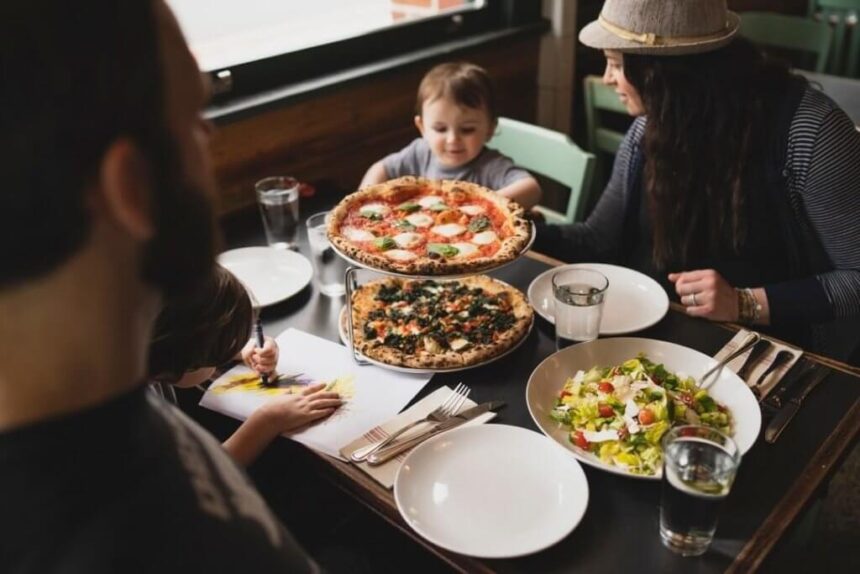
x,y
246,81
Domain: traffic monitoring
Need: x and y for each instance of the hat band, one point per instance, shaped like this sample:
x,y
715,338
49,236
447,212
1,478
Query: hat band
x,y
651,39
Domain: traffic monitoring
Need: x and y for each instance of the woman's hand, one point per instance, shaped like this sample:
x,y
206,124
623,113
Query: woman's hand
x,y
289,412
706,294
262,359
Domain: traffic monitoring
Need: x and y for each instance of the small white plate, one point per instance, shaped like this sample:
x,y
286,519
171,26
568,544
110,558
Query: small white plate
x,y
491,491
271,275
548,378
343,331
633,301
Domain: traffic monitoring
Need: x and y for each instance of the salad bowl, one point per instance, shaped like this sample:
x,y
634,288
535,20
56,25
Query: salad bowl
x,y
548,379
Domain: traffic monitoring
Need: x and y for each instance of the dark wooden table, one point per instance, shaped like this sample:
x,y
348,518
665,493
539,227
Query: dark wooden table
x,y
619,531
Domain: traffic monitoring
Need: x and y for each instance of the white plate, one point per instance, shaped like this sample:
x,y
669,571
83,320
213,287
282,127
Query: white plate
x,y
548,379
343,331
272,275
633,301
491,491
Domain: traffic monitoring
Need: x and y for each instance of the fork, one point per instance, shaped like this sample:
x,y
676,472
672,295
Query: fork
x,y
449,407
714,372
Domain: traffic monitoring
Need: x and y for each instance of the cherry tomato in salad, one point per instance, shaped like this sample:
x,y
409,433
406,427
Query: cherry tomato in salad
x,y
605,388
579,440
646,417
605,410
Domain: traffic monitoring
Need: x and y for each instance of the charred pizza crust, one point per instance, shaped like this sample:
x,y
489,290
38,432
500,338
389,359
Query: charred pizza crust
x,y
514,231
497,318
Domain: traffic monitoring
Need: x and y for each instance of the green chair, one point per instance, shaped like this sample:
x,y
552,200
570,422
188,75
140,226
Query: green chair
x,y
844,16
601,102
601,98
789,32
550,154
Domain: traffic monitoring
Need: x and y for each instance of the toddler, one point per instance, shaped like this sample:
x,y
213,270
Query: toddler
x,y
456,115
210,327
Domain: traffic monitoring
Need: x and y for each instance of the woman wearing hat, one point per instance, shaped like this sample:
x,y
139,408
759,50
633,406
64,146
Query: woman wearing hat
x,y
738,186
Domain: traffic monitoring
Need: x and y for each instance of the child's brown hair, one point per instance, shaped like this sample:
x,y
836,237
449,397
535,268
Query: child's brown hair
x,y
202,329
466,84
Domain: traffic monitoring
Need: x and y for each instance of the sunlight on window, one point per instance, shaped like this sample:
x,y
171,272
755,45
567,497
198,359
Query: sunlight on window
x,y
225,33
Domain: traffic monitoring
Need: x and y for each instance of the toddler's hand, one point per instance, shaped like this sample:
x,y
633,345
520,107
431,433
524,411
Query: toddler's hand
x,y
290,412
262,360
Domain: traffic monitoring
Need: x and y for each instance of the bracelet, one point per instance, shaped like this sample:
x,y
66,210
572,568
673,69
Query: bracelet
x,y
749,309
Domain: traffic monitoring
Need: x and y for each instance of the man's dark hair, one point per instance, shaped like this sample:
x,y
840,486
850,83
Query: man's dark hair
x,y
75,77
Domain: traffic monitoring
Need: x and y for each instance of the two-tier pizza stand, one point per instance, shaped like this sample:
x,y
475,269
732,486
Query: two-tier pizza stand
x,y
351,284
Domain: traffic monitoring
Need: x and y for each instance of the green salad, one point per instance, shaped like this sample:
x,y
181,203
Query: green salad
x,y
620,413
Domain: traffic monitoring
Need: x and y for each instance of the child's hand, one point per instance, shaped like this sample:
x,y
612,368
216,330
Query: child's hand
x,y
262,360
290,412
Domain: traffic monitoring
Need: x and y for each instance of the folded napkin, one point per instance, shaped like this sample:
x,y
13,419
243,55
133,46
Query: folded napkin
x,y
385,473
763,365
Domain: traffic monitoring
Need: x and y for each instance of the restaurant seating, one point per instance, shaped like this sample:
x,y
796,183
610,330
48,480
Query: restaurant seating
x,y
794,33
844,16
601,103
550,154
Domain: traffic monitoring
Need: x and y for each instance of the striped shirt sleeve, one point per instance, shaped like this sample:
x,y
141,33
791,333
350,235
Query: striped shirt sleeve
x,y
823,163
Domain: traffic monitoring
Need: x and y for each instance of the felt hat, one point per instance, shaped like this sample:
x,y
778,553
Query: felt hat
x,y
661,27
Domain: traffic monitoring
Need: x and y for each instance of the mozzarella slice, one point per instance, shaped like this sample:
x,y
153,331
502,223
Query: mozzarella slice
x,y
430,200
400,255
376,208
420,220
472,209
600,436
464,249
355,234
484,237
449,229
408,239
458,344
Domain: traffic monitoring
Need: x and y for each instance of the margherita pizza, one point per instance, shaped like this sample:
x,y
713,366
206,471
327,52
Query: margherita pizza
x,y
438,324
424,227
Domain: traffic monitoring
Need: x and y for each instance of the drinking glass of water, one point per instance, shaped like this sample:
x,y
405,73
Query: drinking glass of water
x,y
699,466
329,267
278,198
579,294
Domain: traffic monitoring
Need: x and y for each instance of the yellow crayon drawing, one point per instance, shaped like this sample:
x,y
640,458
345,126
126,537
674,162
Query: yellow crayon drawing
x,y
285,385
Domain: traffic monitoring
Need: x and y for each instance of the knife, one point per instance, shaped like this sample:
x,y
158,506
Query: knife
x,y
804,368
389,452
786,413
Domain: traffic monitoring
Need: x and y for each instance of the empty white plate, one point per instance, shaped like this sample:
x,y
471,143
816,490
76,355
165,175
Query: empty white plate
x,y
272,275
491,491
633,302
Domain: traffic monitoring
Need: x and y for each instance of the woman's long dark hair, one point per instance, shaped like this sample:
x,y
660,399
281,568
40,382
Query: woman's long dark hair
x,y
707,126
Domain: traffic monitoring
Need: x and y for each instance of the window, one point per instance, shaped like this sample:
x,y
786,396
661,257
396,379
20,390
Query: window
x,y
251,46
224,33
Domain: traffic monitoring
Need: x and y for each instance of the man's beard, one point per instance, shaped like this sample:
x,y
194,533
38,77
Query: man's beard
x,y
182,253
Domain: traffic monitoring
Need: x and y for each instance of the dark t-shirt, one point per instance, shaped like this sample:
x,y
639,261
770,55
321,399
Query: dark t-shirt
x,y
132,485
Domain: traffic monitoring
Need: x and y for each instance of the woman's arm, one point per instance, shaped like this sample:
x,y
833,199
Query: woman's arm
x,y
599,237
824,164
